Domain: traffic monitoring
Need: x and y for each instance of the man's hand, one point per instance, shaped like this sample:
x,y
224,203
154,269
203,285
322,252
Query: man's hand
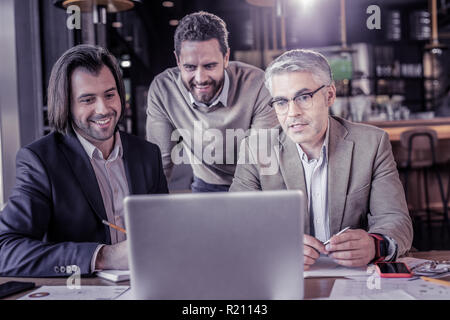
x,y
112,257
353,248
312,248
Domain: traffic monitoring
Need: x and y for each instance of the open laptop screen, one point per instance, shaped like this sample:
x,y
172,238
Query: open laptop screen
x,y
245,245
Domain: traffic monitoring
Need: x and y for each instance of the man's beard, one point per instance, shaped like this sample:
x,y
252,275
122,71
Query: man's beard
x,y
91,132
206,97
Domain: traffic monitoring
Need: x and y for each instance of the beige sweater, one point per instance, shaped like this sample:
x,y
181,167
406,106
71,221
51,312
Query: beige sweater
x,y
210,136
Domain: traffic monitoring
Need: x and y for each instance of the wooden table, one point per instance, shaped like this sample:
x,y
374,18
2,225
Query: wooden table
x,y
314,287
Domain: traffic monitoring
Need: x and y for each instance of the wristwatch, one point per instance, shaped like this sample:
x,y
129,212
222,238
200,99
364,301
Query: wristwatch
x,y
381,247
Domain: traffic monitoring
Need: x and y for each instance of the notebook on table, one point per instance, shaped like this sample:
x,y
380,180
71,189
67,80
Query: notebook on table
x,y
114,275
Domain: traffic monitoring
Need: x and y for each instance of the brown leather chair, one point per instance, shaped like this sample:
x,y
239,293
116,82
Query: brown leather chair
x,y
421,144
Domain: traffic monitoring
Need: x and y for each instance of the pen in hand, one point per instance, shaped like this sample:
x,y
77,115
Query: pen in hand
x,y
340,232
114,226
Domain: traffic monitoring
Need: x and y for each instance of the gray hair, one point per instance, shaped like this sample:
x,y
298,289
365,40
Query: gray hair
x,y
201,26
300,60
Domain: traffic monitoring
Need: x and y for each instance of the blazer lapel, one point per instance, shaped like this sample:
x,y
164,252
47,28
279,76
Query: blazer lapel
x,y
84,173
133,169
339,164
291,169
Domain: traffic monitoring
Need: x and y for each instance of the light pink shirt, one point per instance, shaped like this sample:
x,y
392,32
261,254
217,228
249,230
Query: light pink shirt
x,y
113,184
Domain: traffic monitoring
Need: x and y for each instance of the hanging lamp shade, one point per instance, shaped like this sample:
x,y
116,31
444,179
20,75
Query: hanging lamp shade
x,y
88,5
99,8
261,3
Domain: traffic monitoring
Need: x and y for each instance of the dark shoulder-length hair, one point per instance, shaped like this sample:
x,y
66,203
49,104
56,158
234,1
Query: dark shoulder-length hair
x,y
89,57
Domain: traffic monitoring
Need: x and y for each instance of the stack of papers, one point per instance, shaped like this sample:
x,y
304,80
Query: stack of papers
x,y
389,295
393,289
412,262
364,283
83,293
326,267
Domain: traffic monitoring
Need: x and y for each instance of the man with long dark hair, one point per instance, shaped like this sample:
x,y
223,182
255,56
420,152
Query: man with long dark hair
x,y
70,180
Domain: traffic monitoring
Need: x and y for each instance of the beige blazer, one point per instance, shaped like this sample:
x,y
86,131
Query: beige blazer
x,y
364,189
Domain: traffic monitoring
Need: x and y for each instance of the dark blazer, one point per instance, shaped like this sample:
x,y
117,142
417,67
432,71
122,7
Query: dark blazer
x,y
53,217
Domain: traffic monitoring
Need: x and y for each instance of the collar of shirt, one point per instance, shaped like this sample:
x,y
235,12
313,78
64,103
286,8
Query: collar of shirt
x,y
93,152
323,151
223,97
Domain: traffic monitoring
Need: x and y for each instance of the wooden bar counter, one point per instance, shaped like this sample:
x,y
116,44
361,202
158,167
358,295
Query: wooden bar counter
x,y
395,128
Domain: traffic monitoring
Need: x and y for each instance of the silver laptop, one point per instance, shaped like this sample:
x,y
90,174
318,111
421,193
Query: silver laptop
x,y
243,245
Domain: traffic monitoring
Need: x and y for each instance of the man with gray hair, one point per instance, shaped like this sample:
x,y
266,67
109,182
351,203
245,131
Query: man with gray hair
x,y
347,170
203,102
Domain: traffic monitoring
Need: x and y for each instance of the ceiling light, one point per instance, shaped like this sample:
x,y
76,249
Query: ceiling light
x,y
168,4
117,24
125,64
99,8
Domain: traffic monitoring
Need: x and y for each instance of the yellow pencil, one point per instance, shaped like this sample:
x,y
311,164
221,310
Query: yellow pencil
x,y
437,281
114,226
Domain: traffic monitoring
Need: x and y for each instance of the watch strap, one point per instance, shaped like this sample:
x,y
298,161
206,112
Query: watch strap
x,y
381,247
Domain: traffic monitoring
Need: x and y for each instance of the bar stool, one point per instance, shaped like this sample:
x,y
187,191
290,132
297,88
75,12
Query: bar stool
x,y
421,144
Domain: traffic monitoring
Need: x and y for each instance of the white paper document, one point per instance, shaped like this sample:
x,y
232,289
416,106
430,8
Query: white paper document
x,y
83,293
391,289
127,295
326,267
411,262
390,295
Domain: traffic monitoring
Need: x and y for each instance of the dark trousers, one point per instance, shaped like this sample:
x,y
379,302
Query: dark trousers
x,y
201,186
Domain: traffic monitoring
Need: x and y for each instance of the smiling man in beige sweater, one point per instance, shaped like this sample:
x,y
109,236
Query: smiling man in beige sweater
x,y
206,105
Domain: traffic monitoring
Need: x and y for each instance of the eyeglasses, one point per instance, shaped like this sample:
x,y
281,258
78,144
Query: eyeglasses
x,y
431,268
303,101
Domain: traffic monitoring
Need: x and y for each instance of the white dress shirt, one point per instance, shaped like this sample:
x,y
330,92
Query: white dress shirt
x,y
316,178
